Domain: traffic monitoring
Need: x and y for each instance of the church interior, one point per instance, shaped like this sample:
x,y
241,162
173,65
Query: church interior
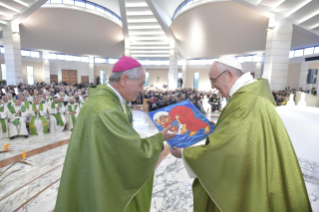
x,y
51,51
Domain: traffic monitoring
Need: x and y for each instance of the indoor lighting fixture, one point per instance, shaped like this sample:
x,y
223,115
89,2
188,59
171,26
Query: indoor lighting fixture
x,y
7,15
298,7
3,22
150,47
148,38
150,43
9,7
315,26
139,13
141,4
308,17
22,3
155,26
278,4
147,55
149,52
158,32
144,20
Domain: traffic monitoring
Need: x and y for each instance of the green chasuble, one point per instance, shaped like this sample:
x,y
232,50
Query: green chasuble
x,y
2,121
33,130
108,166
248,163
58,117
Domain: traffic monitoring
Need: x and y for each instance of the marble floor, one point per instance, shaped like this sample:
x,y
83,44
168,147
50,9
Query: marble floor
x,y
34,188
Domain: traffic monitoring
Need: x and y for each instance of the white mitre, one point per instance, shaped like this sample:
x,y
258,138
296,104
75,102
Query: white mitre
x,y
229,61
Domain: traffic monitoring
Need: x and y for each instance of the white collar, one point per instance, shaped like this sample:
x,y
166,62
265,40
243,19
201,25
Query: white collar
x,y
242,81
118,94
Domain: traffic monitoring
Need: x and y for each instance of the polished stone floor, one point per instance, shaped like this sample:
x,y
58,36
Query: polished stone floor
x,y
34,188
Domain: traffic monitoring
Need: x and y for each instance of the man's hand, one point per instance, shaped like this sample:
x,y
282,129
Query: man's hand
x,y
166,134
176,152
58,107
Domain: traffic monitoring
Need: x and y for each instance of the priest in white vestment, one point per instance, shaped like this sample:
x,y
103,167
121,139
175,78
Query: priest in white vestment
x,y
5,101
17,117
28,97
57,118
38,122
72,112
3,121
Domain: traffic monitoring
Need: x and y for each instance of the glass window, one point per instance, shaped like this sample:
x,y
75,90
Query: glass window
x,y
90,5
196,80
25,53
102,77
69,57
248,59
299,53
97,60
79,3
2,50
316,50
35,54
309,51
147,78
68,2
255,58
30,75
77,58
60,57
3,71
52,56
241,59
99,9
291,54
56,1
85,59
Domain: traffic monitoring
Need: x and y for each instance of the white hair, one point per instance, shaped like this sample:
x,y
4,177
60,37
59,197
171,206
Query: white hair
x,y
132,74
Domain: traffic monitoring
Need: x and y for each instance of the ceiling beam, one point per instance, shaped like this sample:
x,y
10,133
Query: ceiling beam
x,y
28,11
165,22
124,23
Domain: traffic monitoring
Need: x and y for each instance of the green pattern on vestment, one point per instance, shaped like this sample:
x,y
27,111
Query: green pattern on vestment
x,y
58,117
3,122
13,111
27,104
33,129
248,163
72,115
14,100
108,166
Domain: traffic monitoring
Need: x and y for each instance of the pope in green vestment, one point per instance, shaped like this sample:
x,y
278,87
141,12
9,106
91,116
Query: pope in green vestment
x,y
248,163
108,166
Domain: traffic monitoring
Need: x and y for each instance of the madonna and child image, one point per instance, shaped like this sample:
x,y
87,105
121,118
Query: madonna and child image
x,y
187,121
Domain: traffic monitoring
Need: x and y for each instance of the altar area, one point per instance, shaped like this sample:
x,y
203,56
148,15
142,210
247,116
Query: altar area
x,y
34,188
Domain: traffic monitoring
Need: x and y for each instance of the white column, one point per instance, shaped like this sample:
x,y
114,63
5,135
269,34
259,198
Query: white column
x,y
91,69
184,73
46,67
277,54
12,55
303,75
173,69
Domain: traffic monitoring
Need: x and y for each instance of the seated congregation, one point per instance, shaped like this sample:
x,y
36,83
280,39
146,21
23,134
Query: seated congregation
x,y
27,115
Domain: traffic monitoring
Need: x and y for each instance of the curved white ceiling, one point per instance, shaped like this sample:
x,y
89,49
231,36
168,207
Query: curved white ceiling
x,y
72,32
220,28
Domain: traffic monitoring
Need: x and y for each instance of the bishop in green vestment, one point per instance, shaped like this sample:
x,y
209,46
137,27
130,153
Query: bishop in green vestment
x,y
248,163
108,166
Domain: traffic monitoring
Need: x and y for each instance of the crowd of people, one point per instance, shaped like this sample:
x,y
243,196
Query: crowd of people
x,y
158,98
54,107
283,96
39,109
